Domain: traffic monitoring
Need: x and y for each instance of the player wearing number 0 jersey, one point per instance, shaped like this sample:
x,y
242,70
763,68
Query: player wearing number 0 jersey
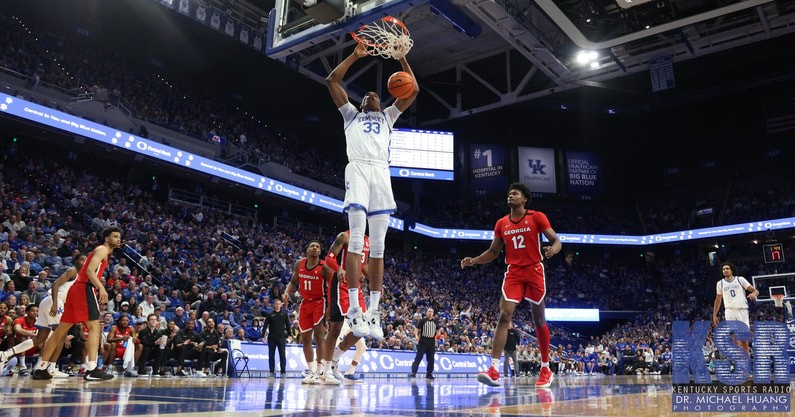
x,y
731,291
520,234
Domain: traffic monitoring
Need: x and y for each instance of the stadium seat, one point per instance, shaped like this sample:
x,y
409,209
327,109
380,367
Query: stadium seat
x,y
239,358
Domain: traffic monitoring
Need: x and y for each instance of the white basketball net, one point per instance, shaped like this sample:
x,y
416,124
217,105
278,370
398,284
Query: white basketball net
x,y
387,38
778,300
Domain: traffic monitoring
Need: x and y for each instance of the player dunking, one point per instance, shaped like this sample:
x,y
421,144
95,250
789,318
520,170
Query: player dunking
x,y
50,311
339,304
310,276
520,234
82,306
368,187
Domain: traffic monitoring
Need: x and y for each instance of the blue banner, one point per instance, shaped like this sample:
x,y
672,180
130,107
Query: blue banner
x,y
583,174
46,116
185,7
537,169
487,167
791,344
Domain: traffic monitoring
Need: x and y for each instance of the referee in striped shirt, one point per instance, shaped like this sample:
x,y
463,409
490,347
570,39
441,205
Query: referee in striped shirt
x,y
426,332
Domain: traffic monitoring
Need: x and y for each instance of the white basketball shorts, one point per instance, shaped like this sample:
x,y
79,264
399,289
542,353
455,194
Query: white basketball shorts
x,y
368,186
45,321
738,314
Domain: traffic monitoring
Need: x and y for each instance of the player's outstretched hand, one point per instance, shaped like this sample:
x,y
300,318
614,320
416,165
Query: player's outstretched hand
x,y
466,262
361,51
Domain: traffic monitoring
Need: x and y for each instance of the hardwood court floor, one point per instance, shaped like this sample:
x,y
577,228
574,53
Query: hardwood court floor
x,y
602,396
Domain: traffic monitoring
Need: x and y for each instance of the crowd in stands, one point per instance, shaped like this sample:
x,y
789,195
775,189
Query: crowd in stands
x,y
62,58
210,265
196,267
74,61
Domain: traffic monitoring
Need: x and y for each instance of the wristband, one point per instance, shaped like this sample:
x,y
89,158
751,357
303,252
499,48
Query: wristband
x,y
331,261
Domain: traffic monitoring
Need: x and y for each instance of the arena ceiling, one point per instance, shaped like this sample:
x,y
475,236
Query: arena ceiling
x,y
518,69
472,56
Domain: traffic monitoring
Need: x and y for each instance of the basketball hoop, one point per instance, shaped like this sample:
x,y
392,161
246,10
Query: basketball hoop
x,y
388,38
778,300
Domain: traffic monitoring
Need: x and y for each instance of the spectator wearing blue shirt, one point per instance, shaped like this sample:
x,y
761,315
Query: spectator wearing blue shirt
x,y
665,361
237,315
227,320
124,310
254,332
175,301
180,317
33,264
53,260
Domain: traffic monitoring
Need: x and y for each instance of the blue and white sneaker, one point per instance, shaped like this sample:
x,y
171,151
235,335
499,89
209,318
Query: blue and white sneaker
x,y
8,366
373,319
354,377
335,370
358,323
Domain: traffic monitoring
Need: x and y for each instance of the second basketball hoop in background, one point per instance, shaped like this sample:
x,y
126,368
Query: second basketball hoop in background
x,y
400,85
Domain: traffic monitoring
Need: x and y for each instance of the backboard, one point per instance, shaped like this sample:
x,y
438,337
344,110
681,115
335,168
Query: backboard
x,y
774,284
292,27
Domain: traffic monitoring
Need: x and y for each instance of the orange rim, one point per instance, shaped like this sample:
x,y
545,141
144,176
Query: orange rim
x,y
367,42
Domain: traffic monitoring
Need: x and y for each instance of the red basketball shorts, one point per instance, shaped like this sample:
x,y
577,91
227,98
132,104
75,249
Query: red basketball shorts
x,y
81,304
524,282
311,313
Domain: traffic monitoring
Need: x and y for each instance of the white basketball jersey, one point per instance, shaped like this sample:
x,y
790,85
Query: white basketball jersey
x,y
367,134
733,292
62,291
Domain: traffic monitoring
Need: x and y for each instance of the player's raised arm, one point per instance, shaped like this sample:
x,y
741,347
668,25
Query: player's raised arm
x,y
334,79
405,103
334,251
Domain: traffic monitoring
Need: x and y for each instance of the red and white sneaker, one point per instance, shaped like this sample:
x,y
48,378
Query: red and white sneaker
x,y
545,378
491,377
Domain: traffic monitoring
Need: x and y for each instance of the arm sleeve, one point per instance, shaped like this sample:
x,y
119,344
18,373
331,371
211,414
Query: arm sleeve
x,y
392,113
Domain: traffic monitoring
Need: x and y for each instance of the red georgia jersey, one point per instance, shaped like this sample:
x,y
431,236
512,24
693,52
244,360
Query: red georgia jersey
x,y
25,324
82,276
522,237
310,281
3,325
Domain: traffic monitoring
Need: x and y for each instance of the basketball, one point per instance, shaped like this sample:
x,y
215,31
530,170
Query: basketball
x,y
400,85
